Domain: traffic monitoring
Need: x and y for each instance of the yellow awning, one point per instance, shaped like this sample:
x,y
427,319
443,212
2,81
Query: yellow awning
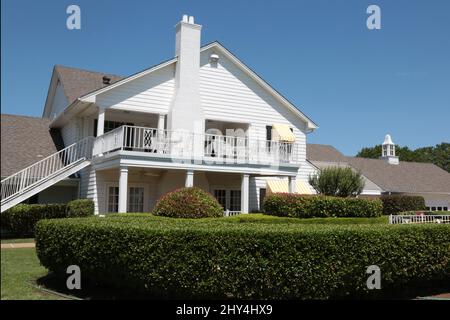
x,y
282,132
275,186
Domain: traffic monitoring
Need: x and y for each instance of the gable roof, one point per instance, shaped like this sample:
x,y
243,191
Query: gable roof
x,y
77,82
89,95
410,177
406,177
24,141
324,153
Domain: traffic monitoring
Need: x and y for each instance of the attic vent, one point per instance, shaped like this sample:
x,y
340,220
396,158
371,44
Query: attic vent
x,y
106,80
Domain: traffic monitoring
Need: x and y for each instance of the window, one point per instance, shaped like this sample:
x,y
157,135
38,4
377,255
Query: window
x,y
433,208
268,137
136,199
221,196
113,199
439,208
235,200
445,208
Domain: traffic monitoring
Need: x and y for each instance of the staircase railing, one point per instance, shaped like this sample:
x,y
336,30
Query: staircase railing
x,y
39,171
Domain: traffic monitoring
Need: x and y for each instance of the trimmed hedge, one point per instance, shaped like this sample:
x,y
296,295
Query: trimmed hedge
x,y
80,208
22,218
393,204
188,203
212,258
301,206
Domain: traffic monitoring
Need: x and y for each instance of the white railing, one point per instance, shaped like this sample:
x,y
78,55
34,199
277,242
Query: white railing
x,y
187,145
408,219
228,213
37,172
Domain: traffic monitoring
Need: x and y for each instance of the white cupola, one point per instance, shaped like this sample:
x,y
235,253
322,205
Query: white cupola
x,y
388,150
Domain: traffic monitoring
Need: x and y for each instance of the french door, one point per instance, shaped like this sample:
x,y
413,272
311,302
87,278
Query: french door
x,y
229,199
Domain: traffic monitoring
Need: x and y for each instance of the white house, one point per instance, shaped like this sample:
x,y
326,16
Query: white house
x,y
202,118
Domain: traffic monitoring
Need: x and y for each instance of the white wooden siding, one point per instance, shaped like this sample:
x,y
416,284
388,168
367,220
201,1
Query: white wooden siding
x,y
151,93
228,94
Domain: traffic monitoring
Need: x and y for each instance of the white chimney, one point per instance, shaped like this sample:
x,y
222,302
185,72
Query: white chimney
x,y
186,110
388,150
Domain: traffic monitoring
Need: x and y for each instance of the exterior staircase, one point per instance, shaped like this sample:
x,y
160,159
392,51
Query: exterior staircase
x,y
45,173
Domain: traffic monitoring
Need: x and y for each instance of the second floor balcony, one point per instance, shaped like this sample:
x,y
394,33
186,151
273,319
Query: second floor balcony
x,y
156,144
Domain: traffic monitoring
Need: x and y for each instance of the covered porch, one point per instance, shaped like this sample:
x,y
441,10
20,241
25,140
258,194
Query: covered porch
x,y
135,189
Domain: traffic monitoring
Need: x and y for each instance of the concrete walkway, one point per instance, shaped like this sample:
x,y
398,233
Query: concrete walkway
x,y
18,245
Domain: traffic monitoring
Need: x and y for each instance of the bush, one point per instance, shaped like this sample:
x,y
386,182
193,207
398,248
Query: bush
x,y
80,208
188,203
22,218
337,181
393,204
214,258
300,206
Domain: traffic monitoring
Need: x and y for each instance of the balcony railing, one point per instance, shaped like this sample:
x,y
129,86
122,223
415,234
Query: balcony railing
x,y
209,148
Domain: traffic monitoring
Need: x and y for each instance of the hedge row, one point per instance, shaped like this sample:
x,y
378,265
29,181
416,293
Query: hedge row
x,y
169,258
301,206
394,204
22,218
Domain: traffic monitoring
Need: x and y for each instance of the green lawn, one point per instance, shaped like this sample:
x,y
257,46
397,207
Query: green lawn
x,y
22,240
19,270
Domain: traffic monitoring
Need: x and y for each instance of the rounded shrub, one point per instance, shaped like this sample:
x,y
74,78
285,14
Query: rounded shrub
x,y
188,203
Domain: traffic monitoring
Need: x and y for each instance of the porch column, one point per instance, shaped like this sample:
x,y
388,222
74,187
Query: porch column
x,y
189,179
245,192
293,184
123,189
101,121
161,122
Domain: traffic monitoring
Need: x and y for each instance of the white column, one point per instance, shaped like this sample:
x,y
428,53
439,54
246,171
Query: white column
x,y
123,189
293,184
161,121
189,179
101,122
245,192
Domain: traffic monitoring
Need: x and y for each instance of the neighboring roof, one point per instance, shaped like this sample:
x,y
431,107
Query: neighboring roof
x,y
86,92
323,153
410,177
24,141
407,177
78,82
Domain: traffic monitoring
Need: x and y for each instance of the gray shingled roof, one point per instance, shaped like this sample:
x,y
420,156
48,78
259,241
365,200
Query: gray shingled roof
x,y
323,153
408,177
77,82
24,141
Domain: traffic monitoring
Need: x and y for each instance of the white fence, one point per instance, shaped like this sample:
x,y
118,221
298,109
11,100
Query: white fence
x,y
414,219
228,213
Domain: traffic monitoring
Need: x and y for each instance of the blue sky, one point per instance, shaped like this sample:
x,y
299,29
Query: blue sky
x,y
356,84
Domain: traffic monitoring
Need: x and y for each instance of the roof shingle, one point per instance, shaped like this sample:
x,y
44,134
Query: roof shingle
x,y
77,82
25,140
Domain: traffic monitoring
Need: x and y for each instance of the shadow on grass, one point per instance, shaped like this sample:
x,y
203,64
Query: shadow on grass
x,y
90,290
93,291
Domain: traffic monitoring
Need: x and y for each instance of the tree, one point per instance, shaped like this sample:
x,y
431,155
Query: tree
x,y
438,155
336,181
